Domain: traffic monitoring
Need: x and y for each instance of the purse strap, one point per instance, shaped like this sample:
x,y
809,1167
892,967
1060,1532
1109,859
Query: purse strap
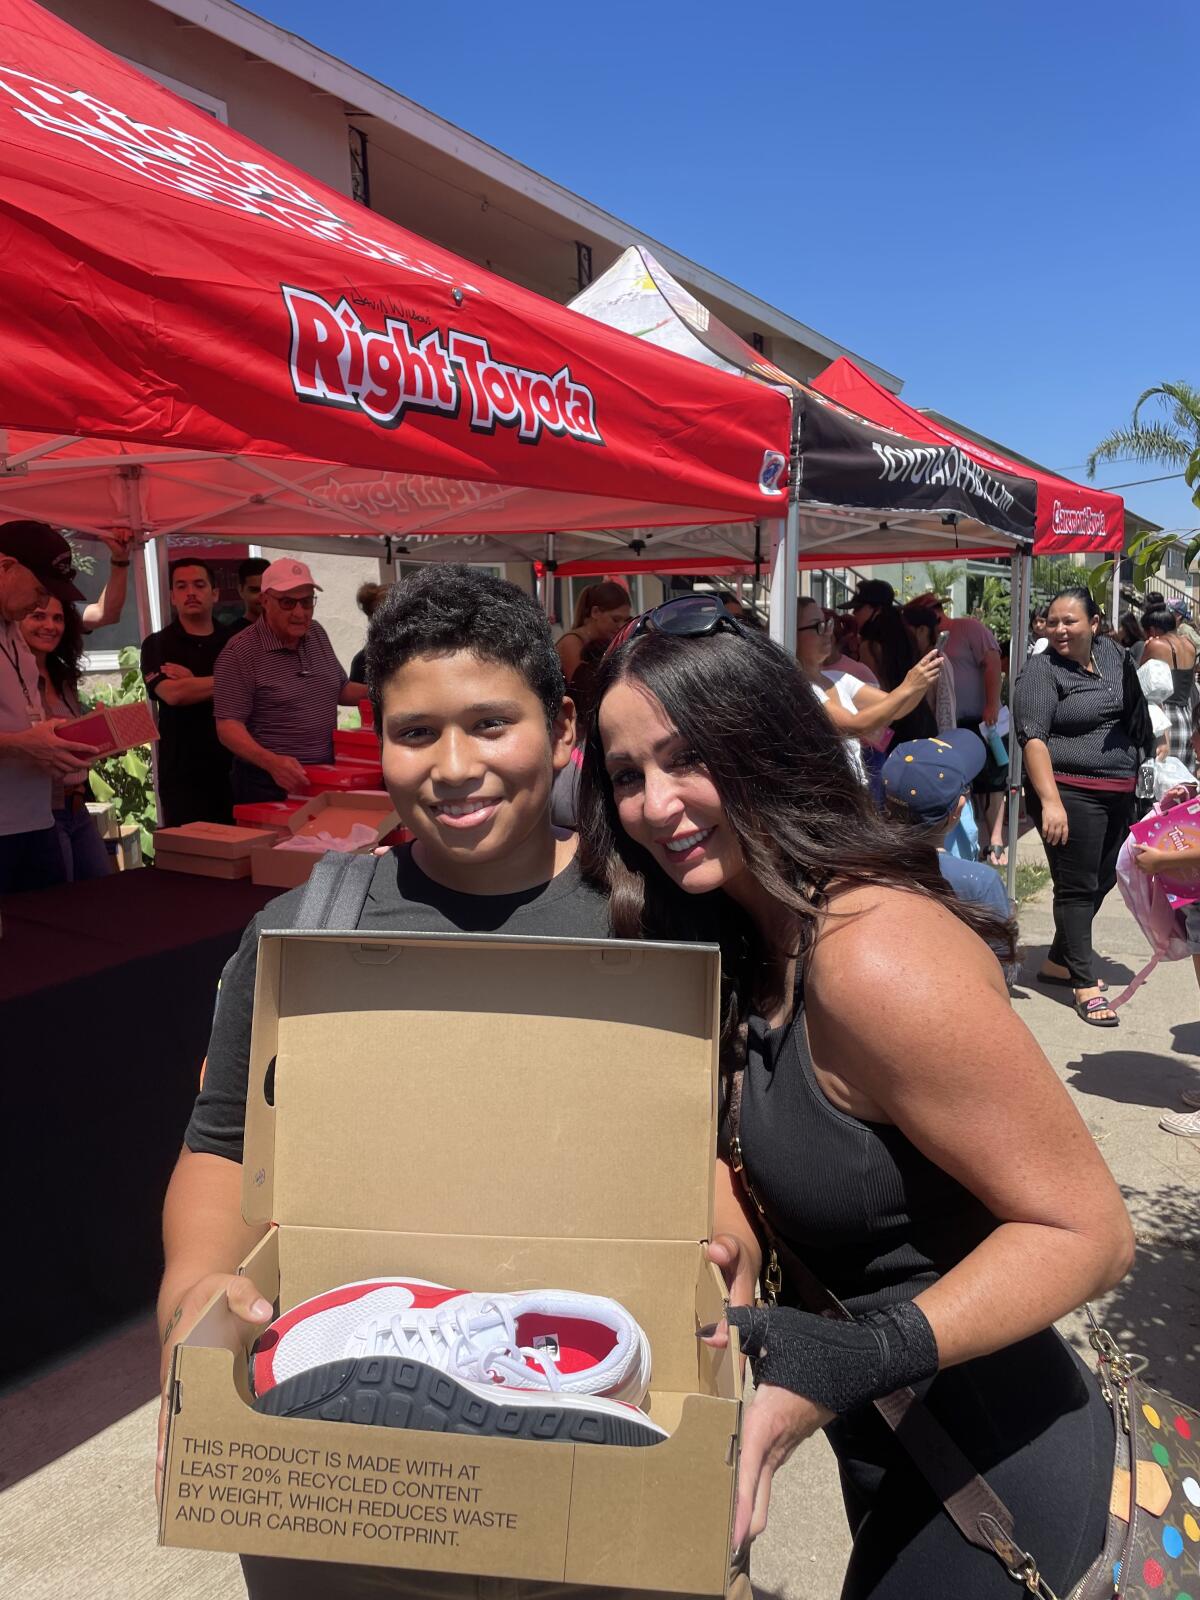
x,y
972,1505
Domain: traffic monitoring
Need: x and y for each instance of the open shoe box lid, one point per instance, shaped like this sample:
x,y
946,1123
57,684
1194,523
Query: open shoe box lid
x,y
469,1084
337,813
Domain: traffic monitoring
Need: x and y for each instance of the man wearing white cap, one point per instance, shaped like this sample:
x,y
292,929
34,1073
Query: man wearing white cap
x,y
277,687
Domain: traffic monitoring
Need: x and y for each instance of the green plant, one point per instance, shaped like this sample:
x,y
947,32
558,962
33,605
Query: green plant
x,y
1052,573
126,781
82,557
1174,442
1032,878
941,576
993,605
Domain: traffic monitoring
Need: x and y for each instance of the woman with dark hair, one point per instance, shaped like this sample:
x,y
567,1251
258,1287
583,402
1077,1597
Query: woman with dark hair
x,y
601,611
857,710
890,651
1130,636
897,1123
368,599
925,626
1165,643
54,634
1081,718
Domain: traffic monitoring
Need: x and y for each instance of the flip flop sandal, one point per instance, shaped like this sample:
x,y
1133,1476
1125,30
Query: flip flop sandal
x,y
1087,1009
1053,982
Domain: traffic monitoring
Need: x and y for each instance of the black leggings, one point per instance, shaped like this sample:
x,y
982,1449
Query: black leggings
x,y
1031,1420
1084,869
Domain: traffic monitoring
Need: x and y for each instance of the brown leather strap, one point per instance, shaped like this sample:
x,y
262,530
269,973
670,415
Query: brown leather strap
x,y
971,1504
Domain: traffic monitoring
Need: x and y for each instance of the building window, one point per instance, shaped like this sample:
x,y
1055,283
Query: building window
x,y
360,170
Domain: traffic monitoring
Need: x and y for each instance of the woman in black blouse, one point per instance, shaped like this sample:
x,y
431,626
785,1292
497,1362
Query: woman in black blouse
x,y
1074,707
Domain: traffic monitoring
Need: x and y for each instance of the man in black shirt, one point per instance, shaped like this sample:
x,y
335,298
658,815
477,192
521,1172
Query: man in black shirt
x,y
177,665
249,576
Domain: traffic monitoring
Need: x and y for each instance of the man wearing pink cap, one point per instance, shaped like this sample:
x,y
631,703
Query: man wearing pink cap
x,y
277,687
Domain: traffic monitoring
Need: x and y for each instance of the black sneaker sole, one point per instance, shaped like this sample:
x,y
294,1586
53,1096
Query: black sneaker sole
x,y
393,1392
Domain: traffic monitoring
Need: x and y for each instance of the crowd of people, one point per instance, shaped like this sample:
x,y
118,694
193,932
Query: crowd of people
x,y
242,706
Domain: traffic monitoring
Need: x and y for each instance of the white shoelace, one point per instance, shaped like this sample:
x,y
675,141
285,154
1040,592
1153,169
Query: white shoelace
x,y
451,1340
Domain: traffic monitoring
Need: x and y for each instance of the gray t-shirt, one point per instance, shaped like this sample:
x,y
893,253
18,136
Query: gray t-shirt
x,y
402,899
966,647
24,786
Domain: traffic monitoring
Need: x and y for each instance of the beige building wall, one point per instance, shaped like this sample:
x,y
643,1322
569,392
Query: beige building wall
x,y
271,107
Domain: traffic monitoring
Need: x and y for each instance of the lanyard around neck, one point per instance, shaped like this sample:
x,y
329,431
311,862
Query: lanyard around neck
x,y
13,655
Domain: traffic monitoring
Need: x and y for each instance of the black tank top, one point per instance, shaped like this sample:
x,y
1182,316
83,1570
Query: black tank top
x,y
875,1219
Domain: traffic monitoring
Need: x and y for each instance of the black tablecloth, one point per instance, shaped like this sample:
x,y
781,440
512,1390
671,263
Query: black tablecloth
x,y
106,997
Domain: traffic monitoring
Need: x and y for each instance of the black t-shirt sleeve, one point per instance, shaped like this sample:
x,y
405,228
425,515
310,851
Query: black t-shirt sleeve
x,y
218,1122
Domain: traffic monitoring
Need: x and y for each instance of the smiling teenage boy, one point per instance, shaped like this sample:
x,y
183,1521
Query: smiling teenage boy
x,y
475,724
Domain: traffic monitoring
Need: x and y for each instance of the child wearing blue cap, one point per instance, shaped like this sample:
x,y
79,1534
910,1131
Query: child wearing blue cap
x,y
926,782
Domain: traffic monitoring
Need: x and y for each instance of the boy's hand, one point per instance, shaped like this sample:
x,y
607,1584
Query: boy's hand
x,y
246,1305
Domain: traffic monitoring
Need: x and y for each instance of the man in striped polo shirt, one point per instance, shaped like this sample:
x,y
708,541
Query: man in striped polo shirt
x,y
277,687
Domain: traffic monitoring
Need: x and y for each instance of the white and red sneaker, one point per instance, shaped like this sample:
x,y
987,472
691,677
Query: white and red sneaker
x,y
549,1341
402,1392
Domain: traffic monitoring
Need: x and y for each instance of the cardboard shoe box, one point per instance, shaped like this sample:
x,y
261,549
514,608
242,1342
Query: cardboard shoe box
x,y
493,1114
331,816
210,849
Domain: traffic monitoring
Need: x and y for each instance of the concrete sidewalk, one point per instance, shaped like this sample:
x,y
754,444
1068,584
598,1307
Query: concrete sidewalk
x,y
76,1509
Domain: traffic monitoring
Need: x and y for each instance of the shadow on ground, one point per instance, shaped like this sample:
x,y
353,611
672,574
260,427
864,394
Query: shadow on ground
x,y
1155,1312
1186,1038
1132,1077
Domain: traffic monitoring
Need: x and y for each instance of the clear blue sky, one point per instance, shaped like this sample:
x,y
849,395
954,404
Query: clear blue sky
x,y
996,202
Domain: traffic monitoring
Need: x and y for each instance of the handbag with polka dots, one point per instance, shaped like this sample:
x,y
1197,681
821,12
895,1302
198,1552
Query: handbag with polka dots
x,y
1152,1548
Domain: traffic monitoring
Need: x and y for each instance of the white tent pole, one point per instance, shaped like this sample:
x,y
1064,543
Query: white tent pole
x,y
1116,589
1022,583
786,555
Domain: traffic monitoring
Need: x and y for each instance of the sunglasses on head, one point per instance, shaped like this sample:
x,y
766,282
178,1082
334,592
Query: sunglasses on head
x,y
689,616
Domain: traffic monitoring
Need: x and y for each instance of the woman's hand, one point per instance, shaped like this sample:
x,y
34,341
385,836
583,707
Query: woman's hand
x,y
1054,823
925,674
775,1422
738,1267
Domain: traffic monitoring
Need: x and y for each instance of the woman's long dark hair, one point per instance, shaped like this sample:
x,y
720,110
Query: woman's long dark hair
x,y
805,824
895,647
64,664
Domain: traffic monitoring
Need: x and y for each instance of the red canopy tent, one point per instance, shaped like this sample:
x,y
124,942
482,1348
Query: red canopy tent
x,y
215,325
1070,518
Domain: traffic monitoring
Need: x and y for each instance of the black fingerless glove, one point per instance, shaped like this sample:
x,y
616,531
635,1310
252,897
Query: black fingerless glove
x,y
837,1364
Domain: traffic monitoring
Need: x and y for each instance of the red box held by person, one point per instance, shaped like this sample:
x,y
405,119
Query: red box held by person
x,y
356,744
265,813
346,777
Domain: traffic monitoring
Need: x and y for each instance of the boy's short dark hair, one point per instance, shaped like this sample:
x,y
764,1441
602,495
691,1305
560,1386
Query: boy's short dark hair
x,y
250,568
190,561
442,609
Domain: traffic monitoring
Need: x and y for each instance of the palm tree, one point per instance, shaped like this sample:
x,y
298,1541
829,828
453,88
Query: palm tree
x,y
1175,441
